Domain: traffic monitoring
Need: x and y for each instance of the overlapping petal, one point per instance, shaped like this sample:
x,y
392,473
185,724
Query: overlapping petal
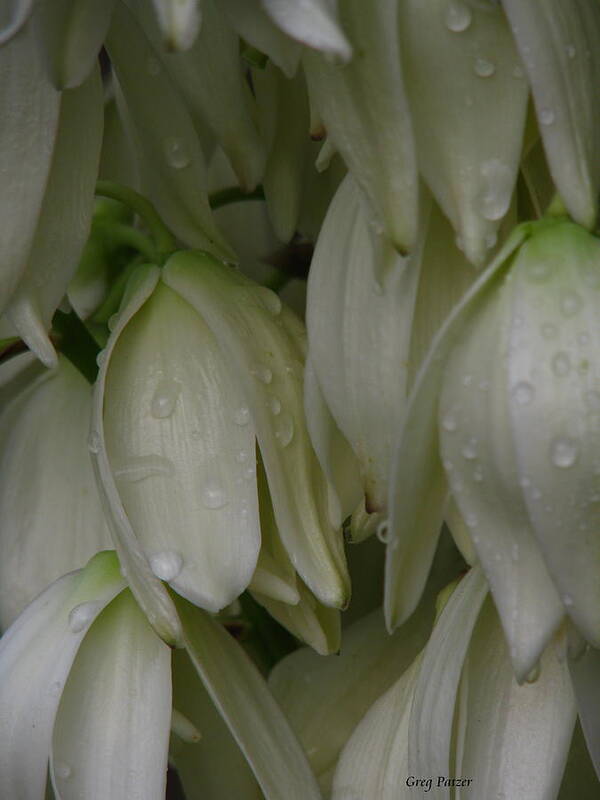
x,y
179,21
314,23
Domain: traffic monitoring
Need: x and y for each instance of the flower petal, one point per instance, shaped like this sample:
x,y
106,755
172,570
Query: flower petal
x,y
111,734
585,669
180,443
517,737
14,16
51,520
65,217
71,33
468,99
245,703
417,487
365,111
558,47
147,588
253,331
36,654
311,22
173,169
179,21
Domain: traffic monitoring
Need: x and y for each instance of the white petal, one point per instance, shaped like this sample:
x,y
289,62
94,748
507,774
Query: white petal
x,y
374,762
432,713
36,654
180,443
245,703
173,169
65,217
585,675
251,22
579,782
147,588
468,99
111,734
477,446
311,22
558,47
51,520
553,346
253,332
359,334
365,111
28,103
12,18
71,33
418,488
213,768
179,21
517,737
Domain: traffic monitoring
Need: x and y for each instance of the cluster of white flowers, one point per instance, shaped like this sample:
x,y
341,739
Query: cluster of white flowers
x,y
355,557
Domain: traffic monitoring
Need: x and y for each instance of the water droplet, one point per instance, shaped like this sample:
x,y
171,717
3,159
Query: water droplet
x,y
241,416
213,495
592,399
62,771
101,357
262,373
471,520
458,16
242,456
525,482
164,399
549,330
378,288
449,422
284,429
491,239
536,494
153,66
55,689
570,304
534,675
568,600
484,68
561,364
514,552
517,72
467,380
523,393
469,449
112,321
564,451
583,339
546,116
166,565
274,405
478,474
94,442
498,182
176,153
143,467
383,531
270,300
81,616
250,472
571,51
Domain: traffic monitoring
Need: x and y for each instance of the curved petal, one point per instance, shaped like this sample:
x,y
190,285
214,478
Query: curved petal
x,y
558,47
71,33
418,487
111,734
245,703
517,737
180,443
311,22
147,588
36,654
553,346
468,99
253,332
65,217
13,17
359,334
51,520
179,21
173,169
365,111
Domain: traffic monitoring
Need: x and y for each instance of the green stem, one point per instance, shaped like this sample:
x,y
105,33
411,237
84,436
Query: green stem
x,y
273,641
165,241
76,343
556,208
122,235
233,194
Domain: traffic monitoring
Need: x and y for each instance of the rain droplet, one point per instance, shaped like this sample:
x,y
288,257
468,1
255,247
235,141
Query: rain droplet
x,y
242,456
498,182
274,405
270,300
101,357
484,68
570,304
583,338
213,495
94,442
561,364
284,429
517,72
250,472
458,17
262,373
81,616
568,600
471,520
539,271
469,449
449,422
478,474
491,239
164,399
514,552
546,116
383,531
571,51
176,153
241,416
143,467
166,565
112,321
549,330
564,451
534,675
62,771
523,393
